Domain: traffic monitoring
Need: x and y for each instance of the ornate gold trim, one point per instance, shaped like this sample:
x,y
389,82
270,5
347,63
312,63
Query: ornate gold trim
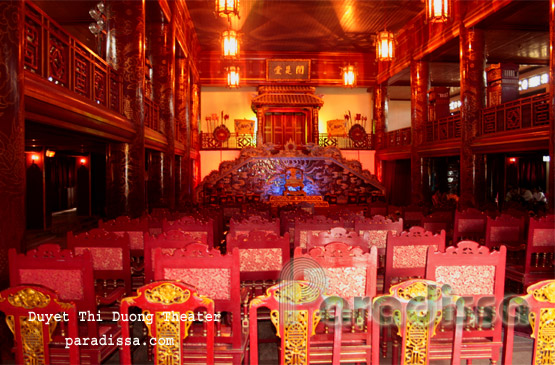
x,y
167,293
545,342
546,293
29,298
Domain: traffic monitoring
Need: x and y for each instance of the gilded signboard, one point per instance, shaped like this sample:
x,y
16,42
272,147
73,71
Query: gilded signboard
x,y
287,70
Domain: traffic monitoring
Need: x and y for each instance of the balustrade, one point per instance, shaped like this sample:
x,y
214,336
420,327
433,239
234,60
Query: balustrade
x,y
398,138
235,141
346,143
444,128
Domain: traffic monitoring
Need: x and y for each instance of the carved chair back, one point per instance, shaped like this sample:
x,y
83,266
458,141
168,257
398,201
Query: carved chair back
x,y
478,275
505,230
377,208
417,306
337,234
262,254
540,248
295,312
110,254
253,223
437,221
168,242
32,335
406,254
170,310
412,216
469,225
135,228
540,304
312,227
374,231
214,275
288,217
71,276
202,229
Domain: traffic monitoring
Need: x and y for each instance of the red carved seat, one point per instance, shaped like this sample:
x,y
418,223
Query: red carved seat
x,y
202,229
412,216
377,208
169,307
313,226
36,339
71,276
168,242
509,231
406,254
540,307
351,275
416,307
337,234
253,223
437,221
374,230
216,276
287,218
135,228
469,225
540,253
111,259
477,275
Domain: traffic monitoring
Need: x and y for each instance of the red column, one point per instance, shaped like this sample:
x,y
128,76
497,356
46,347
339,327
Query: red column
x,y
183,132
12,133
551,174
126,54
162,40
380,115
472,65
419,85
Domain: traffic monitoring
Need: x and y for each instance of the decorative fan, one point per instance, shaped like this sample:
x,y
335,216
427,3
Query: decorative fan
x,y
357,133
221,133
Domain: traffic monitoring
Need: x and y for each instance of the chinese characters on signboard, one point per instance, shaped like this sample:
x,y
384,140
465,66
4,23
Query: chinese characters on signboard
x,y
287,70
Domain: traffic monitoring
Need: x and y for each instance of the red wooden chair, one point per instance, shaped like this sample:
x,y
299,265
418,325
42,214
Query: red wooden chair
x,y
295,307
469,225
35,338
406,254
312,227
201,229
216,276
170,309
111,259
477,275
351,275
412,216
509,231
437,221
540,305
374,230
71,276
377,208
287,219
337,234
540,253
415,308
168,242
253,223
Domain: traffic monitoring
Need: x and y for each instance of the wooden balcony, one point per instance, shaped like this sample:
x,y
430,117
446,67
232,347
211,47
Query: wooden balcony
x,y
234,142
367,142
398,138
444,128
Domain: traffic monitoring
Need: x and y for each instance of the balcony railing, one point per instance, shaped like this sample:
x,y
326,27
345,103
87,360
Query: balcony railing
x,y
235,141
527,112
53,54
444,128
152,115
398,138
346,143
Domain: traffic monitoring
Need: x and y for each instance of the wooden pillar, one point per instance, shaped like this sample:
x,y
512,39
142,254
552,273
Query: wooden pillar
x,y
126,54
419,85
162,40
183,128
551,172
315,127
12,133
472,65
380,114
260,127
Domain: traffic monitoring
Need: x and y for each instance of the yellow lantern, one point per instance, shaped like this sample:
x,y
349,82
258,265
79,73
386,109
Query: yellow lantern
x,y
233,76
349,75
438,10
230,44
384,46
227,7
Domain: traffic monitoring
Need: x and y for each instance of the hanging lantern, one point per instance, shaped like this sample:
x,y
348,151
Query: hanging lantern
x,y
349,75
233,76
230,44
227,7
438,10
384,46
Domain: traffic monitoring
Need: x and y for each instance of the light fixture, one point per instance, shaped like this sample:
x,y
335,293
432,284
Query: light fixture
x,y
230,44
98,16
384,46
227,8
512,159
349,75
34,157
50,153
83,161
233,76
438,10
546,158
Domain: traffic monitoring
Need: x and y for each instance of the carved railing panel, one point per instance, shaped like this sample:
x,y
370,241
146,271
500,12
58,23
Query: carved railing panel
x,y
152,115
262,172
522,113
56,56
444,128
346,143
398,138
235,141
